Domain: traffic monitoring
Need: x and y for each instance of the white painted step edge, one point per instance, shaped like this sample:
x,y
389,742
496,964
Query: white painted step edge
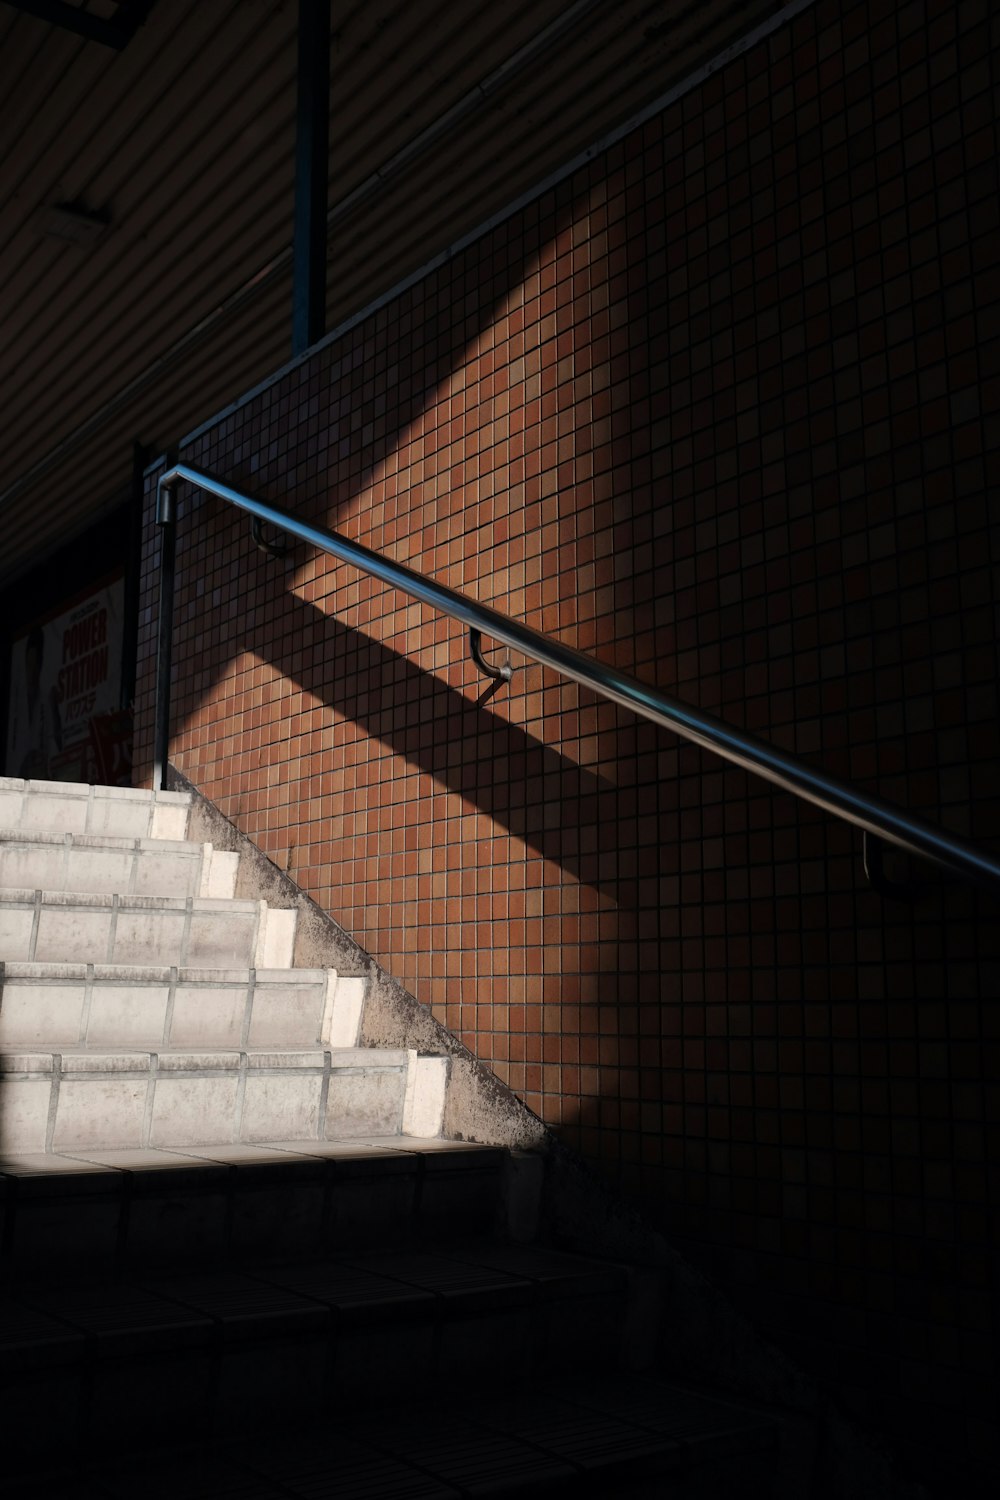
x,y
218,873
275,936
423,1103
345,999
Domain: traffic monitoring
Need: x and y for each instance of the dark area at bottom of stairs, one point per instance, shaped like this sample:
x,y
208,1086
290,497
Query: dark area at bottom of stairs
x,y
419,1374
621,1436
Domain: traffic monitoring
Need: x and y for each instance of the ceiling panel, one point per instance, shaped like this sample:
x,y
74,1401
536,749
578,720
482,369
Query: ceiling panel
x,y
441,113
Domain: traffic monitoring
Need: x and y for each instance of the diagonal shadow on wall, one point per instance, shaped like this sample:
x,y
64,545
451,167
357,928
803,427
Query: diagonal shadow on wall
x,y
311,649
581,812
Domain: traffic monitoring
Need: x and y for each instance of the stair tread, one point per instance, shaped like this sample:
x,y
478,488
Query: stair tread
x,y
543,1440
343,1056
349,1280
81,790
159,973
67,807
115,841
127,901
127,928
87,1162
348,1277
139,863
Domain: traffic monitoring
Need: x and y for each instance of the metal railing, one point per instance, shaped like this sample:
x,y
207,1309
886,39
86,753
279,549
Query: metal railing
x,y
875,817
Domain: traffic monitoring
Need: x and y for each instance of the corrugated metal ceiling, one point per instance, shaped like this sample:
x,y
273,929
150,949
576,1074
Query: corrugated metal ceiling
x,y
442,112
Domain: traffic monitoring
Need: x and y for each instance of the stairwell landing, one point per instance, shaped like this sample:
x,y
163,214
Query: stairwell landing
x,y
240,1253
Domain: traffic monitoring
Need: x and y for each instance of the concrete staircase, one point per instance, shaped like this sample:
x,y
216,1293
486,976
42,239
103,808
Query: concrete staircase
x,y
219,1211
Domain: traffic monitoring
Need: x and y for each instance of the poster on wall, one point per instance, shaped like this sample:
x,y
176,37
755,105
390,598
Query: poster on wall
x,y
65,722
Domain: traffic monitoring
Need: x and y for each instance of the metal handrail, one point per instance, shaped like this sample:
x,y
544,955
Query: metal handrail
x,y
871,814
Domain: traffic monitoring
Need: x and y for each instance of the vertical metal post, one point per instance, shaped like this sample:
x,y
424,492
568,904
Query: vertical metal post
x,y
133,566
166,519
312,146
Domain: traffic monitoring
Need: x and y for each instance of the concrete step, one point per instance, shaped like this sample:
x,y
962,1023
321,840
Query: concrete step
x,y
108,1005
67,807
68,926
103,864
354,1464
604,1437
356,1339
111,1209
297,1335
72,1098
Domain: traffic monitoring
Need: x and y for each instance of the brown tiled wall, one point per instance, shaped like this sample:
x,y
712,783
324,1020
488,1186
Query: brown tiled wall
x,y
721,409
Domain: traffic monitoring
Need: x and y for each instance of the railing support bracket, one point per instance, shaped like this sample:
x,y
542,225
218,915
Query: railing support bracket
x,y
499,674
270,549
872,852
166,520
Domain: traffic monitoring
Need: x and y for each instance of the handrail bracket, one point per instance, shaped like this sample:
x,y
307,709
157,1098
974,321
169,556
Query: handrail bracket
x,y
166,520
499,674
872,858
270,549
